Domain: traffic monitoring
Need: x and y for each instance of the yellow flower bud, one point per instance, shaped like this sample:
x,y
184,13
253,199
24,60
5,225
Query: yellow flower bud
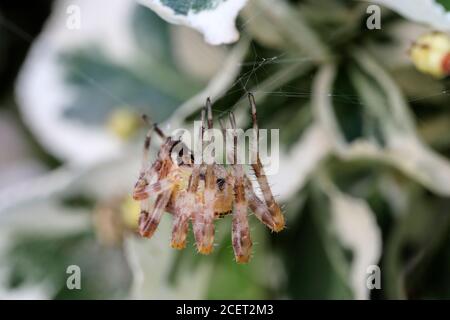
x,y
130,210
123,123
431,54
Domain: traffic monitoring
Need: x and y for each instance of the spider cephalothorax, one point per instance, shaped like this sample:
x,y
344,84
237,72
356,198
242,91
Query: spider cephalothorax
x,y
201,193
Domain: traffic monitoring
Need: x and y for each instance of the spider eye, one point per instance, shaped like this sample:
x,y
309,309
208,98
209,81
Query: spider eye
x,y
220,183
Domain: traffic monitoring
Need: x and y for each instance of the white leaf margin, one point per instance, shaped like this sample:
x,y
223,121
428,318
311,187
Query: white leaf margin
x,y
354,225
297,165
42,93
356,228
217,24
150,261
428,12
405,151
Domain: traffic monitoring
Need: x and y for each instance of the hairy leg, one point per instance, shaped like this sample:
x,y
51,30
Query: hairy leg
x,y
185,210
242,243
258,207
272,205
150,216
144,174
204,220
157,187
159,170
149,225
148,173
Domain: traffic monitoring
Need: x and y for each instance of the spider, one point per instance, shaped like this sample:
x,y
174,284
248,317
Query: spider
x,y
202,193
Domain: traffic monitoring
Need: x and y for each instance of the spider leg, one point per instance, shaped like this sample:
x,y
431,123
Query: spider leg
x,y
204,220
159,169
154,126
157,187
180,226
146,206
242,243
142,181
148,226
146,202
184,211
187,206
148,222
223,126
147,173
272,205
258,207
145,154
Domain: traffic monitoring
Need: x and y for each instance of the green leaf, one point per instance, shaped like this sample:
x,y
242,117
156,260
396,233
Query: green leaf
x,y
34,259
311,271
184,7
444,3
101,86
230,280
290,23
400,147
214,18
410,246
430,12
353,224
152,35
152,263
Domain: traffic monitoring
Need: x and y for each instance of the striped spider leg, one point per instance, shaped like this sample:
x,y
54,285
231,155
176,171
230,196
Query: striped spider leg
x,y
189,207
162,189
241,240
268,212
162,170
185,210
147,174
204,217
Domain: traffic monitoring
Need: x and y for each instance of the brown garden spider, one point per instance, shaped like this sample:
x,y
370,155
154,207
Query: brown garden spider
x,y
203,192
